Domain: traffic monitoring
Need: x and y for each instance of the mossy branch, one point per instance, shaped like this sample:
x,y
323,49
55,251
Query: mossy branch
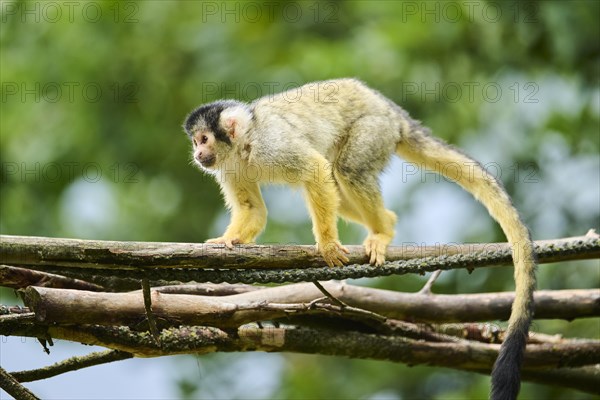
x,y
184,262
459,354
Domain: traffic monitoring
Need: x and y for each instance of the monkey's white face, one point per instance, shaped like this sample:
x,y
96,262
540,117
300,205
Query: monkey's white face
x,y
204,149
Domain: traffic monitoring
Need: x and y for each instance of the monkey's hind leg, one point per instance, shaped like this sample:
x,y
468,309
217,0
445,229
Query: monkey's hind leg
x,y
323,201
365,199
362,157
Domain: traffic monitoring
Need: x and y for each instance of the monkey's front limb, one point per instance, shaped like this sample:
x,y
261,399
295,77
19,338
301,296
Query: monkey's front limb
x,y
248,212
323,201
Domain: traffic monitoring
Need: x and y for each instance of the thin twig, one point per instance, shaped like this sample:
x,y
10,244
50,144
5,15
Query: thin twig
x,y
18,278
427,287
318,300
71,364
149,313
12,318
329,295
490,333
6,310
207,289
366,317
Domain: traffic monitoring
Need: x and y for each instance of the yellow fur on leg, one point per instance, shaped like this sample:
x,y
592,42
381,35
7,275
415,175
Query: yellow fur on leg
x,y
323,201
248,213
364,205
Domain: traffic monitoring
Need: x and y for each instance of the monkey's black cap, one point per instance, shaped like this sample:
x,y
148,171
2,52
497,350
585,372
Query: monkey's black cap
x,y
208,115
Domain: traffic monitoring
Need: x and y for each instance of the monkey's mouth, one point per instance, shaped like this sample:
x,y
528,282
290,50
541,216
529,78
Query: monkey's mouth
x,y
208,162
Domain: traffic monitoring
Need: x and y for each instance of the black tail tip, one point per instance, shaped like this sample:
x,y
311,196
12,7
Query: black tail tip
x,y
506,375
505,386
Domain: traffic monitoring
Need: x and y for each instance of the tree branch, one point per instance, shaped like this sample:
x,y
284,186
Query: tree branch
x,y
40,251
14,388
457,354
67,306
117,262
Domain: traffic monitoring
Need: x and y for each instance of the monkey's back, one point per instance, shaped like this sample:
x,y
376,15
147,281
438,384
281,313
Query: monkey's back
x,y
324,113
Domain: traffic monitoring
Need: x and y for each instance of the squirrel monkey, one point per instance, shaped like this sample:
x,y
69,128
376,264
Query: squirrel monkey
x,y
333,139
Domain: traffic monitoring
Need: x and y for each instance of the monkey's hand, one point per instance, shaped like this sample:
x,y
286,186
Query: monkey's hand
x,y
226,240
333,253
244,228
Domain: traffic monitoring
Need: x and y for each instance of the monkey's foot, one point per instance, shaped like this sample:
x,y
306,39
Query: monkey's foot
x,y
227,241
375,248
333,253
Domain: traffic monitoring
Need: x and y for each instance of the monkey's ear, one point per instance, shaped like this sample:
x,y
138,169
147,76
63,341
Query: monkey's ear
x,y
236,121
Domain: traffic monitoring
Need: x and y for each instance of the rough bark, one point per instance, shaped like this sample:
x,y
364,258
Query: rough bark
x,y
14,388
27,250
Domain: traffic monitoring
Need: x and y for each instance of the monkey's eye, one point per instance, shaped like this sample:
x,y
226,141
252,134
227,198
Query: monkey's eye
x,y
204,139
194,141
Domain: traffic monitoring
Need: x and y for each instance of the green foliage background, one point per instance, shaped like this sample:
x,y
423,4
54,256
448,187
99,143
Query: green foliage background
x,y
93,95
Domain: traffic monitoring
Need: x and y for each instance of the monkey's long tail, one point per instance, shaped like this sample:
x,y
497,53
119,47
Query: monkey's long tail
x,y
420,148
